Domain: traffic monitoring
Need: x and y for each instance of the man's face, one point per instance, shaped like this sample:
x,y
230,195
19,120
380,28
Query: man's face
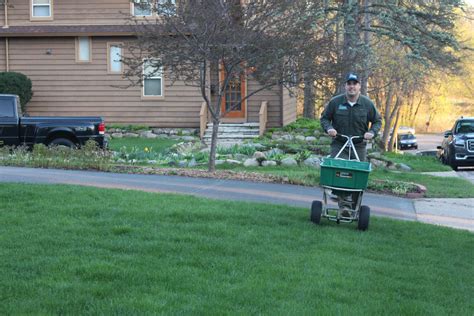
x,y
352,88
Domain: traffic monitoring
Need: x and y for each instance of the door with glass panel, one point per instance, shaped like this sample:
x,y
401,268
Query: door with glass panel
x,y
231,105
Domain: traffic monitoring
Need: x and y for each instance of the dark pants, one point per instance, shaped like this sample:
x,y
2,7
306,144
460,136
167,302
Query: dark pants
x,y
360,148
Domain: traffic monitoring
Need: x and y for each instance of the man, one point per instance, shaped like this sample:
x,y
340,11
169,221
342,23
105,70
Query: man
x,y
350,114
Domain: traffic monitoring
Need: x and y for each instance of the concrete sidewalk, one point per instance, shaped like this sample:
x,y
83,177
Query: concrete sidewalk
x,y
455,213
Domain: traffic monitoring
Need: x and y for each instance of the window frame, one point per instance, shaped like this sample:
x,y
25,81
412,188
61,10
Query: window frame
x,y
132,10
78,47
154,6
41,18
159,2
162,77
109,64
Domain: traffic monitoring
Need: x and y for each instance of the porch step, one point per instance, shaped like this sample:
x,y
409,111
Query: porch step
x,y
232,130
232,133
253,124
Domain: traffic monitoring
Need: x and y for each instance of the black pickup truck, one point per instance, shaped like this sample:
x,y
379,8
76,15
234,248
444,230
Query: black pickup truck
x,y
18,130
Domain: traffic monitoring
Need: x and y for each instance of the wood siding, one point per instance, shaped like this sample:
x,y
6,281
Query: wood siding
x,y
3,64
2,15
289,107
63,87
272,96
73,12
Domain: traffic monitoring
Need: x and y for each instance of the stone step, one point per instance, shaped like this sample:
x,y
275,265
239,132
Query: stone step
x,y
234,130
232,133
235,125
233,136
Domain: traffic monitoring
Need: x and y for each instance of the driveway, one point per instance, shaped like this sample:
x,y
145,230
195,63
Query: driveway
x,y
429,142
293,195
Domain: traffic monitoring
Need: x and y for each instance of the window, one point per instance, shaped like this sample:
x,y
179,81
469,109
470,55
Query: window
x,y
141,7
114,57
83,49
41,9
152,78
166,6
145,7
7,107
465,127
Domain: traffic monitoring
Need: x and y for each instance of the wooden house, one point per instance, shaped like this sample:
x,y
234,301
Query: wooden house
x,y
69,49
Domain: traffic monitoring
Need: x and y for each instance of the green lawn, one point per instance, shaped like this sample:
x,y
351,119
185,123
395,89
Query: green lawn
x,y
76,250
437,187
418,163
156,145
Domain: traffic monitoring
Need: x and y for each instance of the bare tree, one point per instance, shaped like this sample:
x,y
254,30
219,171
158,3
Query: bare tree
x,y
259,38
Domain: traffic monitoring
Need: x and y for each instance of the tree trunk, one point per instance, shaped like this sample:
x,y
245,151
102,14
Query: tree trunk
x,y
365,70
397,110
393,139
308,104
388,121
212,153
351,39
413,119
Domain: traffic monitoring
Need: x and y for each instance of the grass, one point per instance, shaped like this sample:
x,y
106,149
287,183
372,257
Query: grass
x,y
418,163
77,250
437,187
157,144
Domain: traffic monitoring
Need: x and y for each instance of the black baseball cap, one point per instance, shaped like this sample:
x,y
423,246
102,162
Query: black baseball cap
x,y
352,77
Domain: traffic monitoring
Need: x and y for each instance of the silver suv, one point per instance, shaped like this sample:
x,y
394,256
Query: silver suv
x,y
457,148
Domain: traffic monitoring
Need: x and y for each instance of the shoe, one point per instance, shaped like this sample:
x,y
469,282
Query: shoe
x,y
345,213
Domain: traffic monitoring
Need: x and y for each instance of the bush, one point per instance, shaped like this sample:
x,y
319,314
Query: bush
x,y
16,83
303,123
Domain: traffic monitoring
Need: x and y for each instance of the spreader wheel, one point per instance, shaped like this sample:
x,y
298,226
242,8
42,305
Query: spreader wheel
x,y
364,216
316,211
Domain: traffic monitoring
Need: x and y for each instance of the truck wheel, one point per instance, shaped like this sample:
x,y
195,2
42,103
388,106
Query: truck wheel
x,y
452,162
62,142
364,216
316,211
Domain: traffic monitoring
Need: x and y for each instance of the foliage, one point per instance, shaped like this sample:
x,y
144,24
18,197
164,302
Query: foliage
x,y
437,187
302,155
277,157
154,145
397,187
129,127
90,156
417,163
244,149
256,40
16,83
201,157
303,123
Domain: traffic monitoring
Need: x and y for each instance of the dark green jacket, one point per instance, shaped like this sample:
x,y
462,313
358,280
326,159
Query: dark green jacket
x,y
351,120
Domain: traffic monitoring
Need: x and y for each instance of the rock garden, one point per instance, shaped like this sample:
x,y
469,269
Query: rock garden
x,y
288,155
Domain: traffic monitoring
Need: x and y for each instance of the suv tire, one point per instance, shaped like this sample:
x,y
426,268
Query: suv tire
x,y
452,161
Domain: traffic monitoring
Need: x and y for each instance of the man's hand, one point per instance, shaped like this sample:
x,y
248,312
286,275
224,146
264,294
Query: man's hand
x,y
332,132
368,136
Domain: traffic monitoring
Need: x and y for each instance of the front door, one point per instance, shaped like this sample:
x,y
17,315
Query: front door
x,y
236,90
